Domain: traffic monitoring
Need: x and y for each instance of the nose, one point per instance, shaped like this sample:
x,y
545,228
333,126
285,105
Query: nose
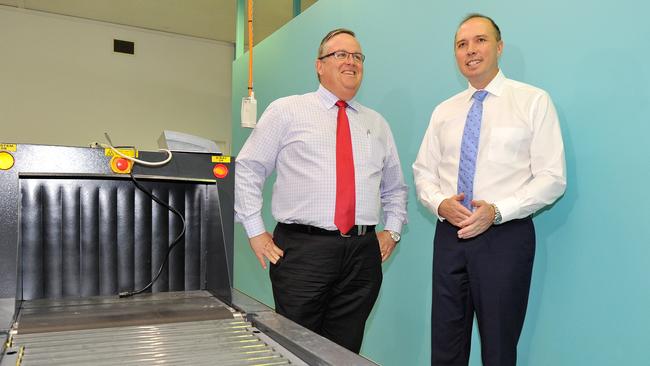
x,y
471,48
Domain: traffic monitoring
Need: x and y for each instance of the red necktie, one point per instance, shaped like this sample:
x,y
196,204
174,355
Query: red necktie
x,y
345,196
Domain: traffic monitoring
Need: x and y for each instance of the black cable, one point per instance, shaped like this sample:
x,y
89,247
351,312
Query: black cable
x,y
169,248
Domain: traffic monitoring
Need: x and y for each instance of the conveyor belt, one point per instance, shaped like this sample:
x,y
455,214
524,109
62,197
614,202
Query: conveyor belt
x,y
96,331
54,315
211,342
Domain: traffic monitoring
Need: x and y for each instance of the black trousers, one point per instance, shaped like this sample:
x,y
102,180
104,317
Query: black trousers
x,y
327,283
489,276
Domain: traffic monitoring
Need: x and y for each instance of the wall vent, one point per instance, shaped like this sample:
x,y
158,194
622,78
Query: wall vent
x,y
123,46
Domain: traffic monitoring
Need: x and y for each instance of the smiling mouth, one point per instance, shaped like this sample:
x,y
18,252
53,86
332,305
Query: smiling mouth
x,y
473,62
349,72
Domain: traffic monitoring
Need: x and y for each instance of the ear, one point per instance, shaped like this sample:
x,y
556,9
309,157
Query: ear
x,y
499,48
319,67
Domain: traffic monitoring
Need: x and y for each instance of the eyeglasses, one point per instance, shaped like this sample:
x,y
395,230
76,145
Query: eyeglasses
x,y
343,55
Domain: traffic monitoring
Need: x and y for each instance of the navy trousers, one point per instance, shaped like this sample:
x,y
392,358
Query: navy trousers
x,y
489,276
327,283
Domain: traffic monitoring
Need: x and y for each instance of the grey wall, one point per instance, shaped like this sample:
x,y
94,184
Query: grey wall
x,y
61,83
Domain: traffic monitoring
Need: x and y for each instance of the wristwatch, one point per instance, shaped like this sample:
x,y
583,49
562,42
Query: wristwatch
x,y
497,215
394,235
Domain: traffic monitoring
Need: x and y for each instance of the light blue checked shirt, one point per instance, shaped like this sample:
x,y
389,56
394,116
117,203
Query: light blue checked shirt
x,y
296,136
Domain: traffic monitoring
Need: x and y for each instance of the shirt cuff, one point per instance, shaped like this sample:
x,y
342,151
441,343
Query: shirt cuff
x,y
393,224
254,226
436,201
509,209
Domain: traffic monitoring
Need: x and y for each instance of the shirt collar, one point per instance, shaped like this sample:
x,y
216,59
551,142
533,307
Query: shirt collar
x,y
495,86
329,100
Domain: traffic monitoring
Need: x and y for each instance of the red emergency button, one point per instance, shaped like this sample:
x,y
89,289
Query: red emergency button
x,y
220,171
121,165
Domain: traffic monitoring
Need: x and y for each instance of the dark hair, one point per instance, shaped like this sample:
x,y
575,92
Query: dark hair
x,y
477,15
331,35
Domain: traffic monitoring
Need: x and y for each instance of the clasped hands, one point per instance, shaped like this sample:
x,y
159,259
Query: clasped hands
x,y
471,224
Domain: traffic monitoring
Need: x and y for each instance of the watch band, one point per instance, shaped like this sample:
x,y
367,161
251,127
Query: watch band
x,y
497,215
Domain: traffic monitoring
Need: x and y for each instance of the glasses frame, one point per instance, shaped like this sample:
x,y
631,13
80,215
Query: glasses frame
x,y
356,56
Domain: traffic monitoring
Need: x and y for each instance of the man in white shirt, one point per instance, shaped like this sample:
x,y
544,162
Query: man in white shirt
x,y
484,197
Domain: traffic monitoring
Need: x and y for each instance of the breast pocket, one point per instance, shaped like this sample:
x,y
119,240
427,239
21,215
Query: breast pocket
x,y
507,144
374,152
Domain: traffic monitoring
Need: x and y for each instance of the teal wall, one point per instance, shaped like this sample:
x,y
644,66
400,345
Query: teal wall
x,y
590,295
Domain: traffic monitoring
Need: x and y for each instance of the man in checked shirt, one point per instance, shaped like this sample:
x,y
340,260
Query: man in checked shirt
x,y
325,253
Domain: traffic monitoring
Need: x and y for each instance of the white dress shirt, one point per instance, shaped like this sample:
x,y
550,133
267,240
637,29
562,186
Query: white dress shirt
x,y
296,137
520,164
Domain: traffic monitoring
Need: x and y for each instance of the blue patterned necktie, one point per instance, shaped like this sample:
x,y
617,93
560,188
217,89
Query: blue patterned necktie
x,y
469,149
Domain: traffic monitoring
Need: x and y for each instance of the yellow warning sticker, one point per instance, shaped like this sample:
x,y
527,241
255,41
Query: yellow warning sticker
x,y
8,147
132,153
220,159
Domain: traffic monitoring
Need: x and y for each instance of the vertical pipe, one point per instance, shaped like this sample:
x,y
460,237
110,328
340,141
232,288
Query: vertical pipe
x,y
250,48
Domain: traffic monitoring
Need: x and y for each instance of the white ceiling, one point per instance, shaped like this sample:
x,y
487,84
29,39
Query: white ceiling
x,y
211,19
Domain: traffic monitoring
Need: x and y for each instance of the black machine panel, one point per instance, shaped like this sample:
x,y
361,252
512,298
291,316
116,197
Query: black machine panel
x,y
72,227
89,237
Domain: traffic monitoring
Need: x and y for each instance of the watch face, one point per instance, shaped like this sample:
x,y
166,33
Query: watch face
x,y
395,236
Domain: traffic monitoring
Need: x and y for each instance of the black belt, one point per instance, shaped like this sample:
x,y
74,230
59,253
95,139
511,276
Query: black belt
x,y
357,230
